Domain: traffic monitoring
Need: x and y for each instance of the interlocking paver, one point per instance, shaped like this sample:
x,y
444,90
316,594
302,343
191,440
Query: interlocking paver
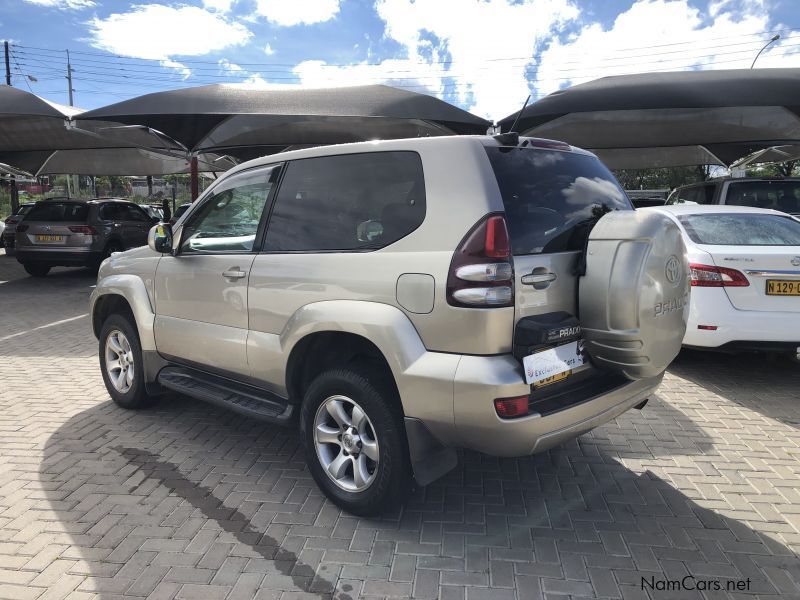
x,y
188,501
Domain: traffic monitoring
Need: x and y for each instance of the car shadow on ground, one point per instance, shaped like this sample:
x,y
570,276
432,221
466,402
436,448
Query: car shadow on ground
x,y
775,376
187,494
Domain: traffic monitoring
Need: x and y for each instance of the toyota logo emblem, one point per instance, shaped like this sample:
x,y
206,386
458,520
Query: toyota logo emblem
x,y
796,261
673,270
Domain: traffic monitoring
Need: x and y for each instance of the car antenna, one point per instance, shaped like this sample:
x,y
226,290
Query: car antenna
x,y
511,137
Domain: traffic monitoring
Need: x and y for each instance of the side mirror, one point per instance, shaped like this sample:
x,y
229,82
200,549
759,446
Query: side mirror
x,y
160,238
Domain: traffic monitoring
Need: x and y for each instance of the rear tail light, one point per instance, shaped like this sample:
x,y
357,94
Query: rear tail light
x,y
481,274
21,228
508,408
711,276
85,229
10,220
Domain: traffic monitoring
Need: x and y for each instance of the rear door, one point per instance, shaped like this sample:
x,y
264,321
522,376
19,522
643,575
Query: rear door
x,y
763,247
136,224
552,198
56,225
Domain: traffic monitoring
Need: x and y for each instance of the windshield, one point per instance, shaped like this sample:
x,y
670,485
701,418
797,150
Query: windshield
x,y
742,229
553,198
54,212
777,195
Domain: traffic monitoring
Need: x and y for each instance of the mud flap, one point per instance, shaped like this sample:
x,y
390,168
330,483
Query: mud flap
x,y
429,459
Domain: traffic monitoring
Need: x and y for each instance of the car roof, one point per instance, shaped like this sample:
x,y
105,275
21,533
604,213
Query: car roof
x,y
434,142
717,180
702,209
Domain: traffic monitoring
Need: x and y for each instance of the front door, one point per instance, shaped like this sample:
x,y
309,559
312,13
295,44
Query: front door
x,y
201,290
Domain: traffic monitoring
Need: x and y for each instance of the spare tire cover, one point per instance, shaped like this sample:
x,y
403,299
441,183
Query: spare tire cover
x,y
634,297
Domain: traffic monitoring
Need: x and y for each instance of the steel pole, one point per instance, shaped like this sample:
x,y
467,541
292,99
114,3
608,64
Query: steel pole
x,y
195,179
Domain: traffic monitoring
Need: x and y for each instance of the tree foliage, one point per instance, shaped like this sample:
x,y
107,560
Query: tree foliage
x,y
661,178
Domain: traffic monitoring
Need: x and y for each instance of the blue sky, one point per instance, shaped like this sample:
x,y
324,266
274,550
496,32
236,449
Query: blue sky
x,y
483,55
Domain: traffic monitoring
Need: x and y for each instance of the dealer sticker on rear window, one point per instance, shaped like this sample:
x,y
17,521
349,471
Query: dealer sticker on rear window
x,y
553,361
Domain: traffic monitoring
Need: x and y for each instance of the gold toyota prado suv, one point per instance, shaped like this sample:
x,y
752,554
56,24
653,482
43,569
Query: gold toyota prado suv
x,y
397,300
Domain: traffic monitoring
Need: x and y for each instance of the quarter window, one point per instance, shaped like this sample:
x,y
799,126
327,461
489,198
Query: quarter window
x,y
228,220
347,202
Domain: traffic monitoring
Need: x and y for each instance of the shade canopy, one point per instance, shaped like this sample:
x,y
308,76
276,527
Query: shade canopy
x,y
237,118
110,161
671,119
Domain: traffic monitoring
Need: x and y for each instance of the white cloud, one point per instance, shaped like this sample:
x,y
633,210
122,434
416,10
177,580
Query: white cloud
x,y
664,35
218,5
269,50
229,67
64,4
157,32
297,12
447,54
185,71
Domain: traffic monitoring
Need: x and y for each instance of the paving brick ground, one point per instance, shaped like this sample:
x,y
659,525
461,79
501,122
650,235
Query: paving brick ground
x,y
187,501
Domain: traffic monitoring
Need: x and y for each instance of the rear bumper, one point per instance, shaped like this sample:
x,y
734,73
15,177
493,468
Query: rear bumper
x,y
479,380
739,329
58,257
476,381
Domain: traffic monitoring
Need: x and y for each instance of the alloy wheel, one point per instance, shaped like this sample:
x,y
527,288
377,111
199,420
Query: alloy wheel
x,y
120,365
346,444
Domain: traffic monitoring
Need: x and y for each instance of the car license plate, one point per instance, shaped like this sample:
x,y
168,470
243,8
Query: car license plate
x,y
780,287
553,364
49,238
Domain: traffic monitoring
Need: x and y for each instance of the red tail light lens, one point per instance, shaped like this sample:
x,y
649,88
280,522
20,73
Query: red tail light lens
x,y
496,242
21,228
10,220
508,408
85,229
712,276
481,273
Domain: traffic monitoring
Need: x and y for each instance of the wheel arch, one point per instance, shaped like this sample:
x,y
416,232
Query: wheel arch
x,y
128,294
323,350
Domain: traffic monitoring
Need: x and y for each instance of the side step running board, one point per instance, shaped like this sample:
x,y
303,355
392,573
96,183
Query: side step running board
x,y
247,400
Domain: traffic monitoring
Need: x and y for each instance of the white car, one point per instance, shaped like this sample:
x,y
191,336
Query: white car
x,y
745,277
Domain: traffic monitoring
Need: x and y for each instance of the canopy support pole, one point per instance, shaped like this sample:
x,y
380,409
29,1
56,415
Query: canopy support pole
x,y
12,188
194,178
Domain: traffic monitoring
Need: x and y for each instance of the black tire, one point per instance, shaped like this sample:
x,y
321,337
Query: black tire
x,y
36,270
136,396
110,248
369,389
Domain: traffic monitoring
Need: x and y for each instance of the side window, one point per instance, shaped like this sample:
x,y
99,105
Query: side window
x,y
347,202
134,213
113,211
228,220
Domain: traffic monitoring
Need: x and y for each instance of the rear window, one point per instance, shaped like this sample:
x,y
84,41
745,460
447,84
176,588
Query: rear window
x,y
717,229
777,195
55,212
552,198
347,202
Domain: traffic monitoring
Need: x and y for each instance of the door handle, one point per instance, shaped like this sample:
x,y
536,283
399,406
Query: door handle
x,y
538,278
234,273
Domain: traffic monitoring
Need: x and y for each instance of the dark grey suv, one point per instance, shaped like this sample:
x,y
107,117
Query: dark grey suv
x,y
78,233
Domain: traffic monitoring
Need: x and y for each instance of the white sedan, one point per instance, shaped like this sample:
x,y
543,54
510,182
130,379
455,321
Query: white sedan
x,y
745,274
